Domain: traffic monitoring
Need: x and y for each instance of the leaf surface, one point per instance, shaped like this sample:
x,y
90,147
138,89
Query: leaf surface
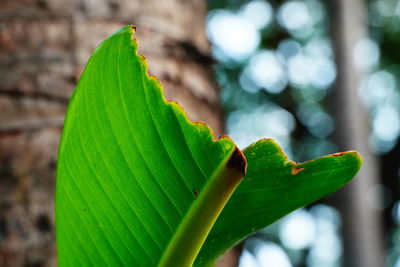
x,y
132,165
138,184
273,187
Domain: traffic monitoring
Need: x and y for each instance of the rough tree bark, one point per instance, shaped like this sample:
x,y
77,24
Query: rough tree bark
x,y
361,223
44,45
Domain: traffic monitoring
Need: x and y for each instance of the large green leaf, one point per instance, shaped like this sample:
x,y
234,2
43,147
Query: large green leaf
x,y
138,184
131,166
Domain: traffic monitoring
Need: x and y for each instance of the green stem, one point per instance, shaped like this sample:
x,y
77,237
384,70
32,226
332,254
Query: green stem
x,y
195,227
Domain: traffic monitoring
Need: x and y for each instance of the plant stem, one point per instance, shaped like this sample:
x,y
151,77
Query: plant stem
x,y
196,225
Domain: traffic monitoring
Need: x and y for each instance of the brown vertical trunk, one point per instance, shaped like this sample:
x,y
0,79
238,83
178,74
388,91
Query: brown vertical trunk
x,y
44,45
362,233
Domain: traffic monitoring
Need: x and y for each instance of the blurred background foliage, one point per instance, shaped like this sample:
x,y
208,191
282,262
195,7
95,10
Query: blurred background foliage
x,y
277,70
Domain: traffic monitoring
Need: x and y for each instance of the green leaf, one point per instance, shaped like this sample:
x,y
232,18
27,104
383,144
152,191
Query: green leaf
x,y
272,188
132,165
139,184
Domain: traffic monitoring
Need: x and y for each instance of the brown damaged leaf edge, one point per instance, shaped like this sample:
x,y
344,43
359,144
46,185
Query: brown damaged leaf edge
x,y
338,154
298,167
237,160
171,102
296,170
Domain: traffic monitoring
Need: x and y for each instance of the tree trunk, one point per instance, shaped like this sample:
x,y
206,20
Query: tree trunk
x,y
44,45
361,225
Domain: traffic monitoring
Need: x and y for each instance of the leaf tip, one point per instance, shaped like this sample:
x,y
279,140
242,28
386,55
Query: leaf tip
x,y
357,156
351,155
131,29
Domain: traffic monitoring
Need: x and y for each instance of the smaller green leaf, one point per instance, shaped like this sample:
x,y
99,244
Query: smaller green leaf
x,y
273,187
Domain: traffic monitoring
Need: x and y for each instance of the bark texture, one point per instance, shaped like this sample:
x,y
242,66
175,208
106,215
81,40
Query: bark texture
x,y
363,242
44,45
